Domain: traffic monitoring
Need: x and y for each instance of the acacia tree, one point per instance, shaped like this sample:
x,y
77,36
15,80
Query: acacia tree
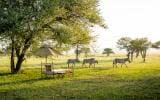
x,y
79,39
108,51
141,45
24,22
135,46
124,43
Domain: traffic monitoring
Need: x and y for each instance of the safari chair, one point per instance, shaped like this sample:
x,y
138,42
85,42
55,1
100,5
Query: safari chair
x,y
49,71
48,68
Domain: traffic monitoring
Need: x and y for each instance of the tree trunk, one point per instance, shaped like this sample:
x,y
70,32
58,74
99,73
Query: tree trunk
x,y
144,60
19,62
128,55
108,54
143,54
20,50
20,57
12,66
132,56
137,54
77,52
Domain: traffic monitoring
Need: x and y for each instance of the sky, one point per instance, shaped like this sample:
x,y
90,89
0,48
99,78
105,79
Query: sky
x,y
131,18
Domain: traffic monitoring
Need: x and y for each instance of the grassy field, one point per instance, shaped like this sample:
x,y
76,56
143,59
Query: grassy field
x,y
140,81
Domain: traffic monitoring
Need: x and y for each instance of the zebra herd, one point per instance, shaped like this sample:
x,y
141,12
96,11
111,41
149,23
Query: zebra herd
x,y
90,61
93,61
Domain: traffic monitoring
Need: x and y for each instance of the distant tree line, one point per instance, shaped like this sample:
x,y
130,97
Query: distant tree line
x,y
136,47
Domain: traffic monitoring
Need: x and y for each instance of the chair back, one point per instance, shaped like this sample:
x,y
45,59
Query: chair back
x,y
48,67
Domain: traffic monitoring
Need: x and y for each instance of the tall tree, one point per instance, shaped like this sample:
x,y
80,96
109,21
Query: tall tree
x,y
108,51
80,38
124,43
24,22
141,46
86,51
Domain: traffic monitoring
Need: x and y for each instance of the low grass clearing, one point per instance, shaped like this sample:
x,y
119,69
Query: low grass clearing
x,y
140,81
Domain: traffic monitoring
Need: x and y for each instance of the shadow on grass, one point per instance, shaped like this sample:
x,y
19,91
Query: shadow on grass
x,y
106,89
5,74
27,81
4,96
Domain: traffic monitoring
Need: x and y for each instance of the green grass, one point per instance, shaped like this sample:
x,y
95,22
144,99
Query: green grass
x,y
140,81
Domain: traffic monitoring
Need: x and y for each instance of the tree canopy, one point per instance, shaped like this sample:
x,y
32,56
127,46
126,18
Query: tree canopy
x,y
108,51
24,22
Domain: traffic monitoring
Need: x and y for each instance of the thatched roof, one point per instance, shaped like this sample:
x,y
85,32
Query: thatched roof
x,y
45,51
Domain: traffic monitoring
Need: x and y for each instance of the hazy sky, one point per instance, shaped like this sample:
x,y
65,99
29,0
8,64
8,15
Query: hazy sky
x,y
133,18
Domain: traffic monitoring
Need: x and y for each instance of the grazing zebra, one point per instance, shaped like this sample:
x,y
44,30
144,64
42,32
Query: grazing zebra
x,y
72,61
90,61
122,61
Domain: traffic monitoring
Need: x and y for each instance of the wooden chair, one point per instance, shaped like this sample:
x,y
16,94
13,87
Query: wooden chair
x,y
50,71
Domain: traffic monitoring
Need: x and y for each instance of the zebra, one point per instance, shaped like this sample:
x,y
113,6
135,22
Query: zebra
x,y
90,61
72,61
122,61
